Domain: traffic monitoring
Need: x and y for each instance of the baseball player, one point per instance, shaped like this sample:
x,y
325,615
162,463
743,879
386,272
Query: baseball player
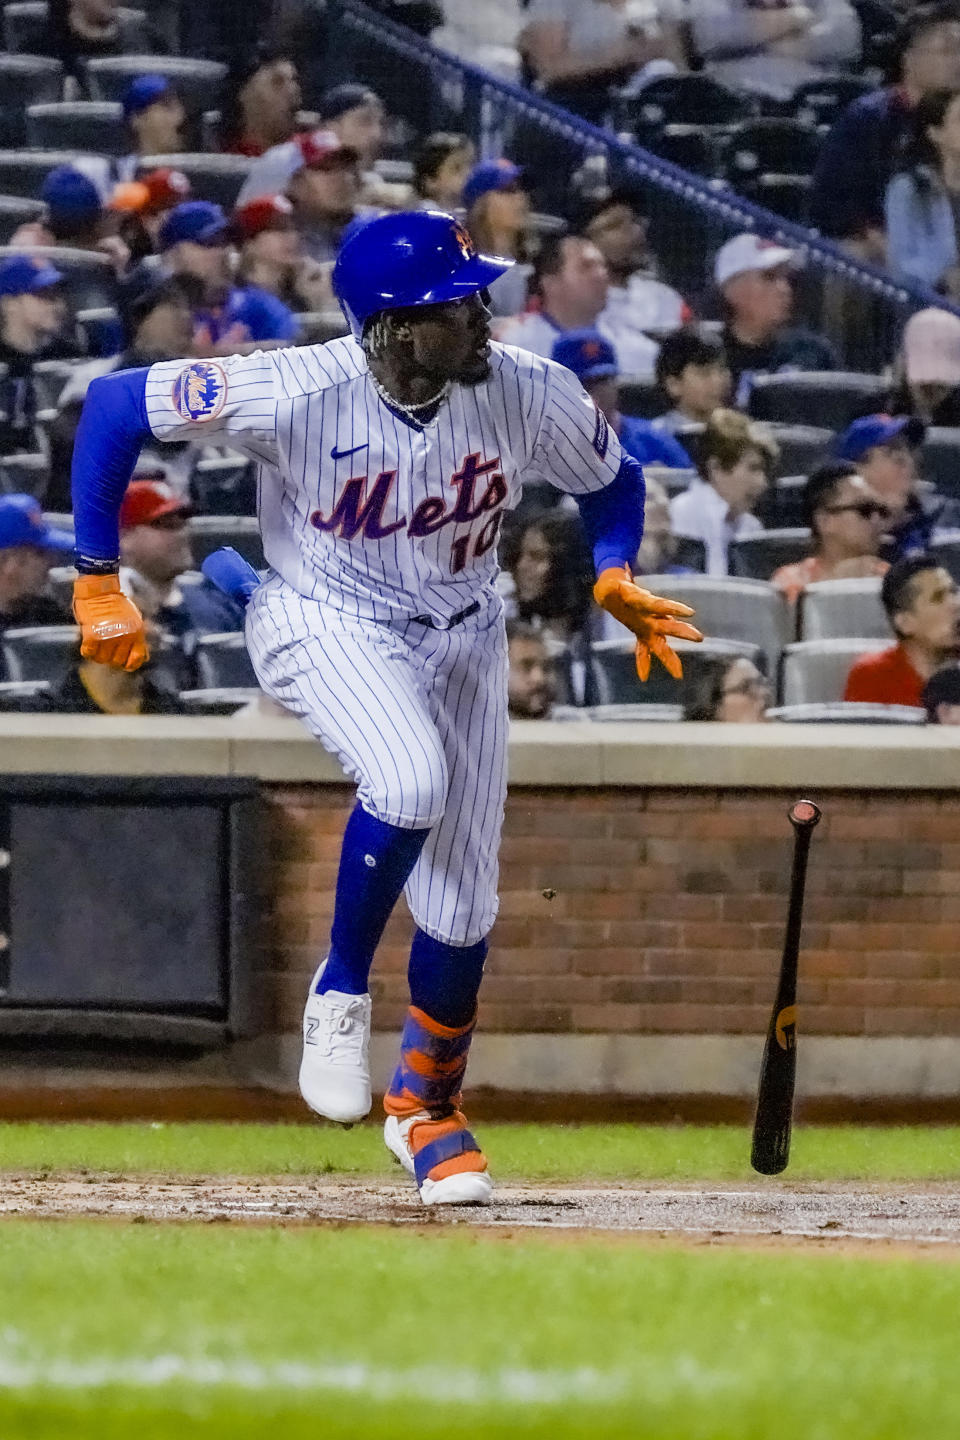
x,y
386,462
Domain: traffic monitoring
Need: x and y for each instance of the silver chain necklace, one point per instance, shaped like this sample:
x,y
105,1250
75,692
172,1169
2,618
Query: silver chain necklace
x,y
409,410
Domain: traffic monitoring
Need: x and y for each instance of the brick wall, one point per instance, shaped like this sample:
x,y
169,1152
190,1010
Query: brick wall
x,y
668,914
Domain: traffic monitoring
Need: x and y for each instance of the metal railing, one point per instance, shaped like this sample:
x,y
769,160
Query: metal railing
x,y
859,308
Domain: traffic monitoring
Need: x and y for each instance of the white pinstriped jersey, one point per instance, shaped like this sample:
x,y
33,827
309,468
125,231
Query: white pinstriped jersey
x,y
360,510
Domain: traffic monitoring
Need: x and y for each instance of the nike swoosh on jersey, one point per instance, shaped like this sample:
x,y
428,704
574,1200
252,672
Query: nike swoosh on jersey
x,y
336,454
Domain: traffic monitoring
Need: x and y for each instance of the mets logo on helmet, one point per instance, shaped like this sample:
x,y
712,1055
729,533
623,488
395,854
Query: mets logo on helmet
x,y
200,391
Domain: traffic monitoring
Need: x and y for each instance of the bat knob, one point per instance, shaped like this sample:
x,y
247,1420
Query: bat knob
x,y
804,812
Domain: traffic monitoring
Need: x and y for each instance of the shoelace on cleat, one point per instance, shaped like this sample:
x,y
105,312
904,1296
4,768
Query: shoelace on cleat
x,y
345,1034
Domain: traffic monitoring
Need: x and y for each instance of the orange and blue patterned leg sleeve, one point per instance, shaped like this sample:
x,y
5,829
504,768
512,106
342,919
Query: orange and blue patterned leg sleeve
x,y
433,1059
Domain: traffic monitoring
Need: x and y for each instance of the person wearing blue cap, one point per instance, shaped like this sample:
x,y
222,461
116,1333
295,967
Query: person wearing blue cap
x,y
32,314
155,117
593,360
194,242
28,548
498,219
884,449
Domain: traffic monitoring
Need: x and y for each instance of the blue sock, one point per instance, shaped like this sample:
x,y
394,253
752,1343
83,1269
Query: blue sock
x,y
445,979
375,863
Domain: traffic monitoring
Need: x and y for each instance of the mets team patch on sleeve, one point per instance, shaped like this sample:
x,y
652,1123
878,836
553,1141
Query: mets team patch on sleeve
x,y
601,436
200,391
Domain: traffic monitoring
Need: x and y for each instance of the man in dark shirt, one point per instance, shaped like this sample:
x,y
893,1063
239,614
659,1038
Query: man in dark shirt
x,y
80,30
859,155
28,548
32,311
754,279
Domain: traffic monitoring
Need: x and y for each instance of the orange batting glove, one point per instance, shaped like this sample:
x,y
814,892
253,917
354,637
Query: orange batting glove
x,y
650,618
111,626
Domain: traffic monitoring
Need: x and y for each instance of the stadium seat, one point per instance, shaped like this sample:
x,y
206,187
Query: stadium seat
x,y
694,99
781,507
225,701
210,532
636,396
879,23
24,474
749,611
940,460
39,652
215,177
690,553
90,278
947,551
92,124
24,24
755,557
25,80
615,670
837,609
815,671
20,695
802,447
820,102
692,147
786,195
223,662
673,481
102,329
60,584
827,398
197,82
617,714
764,146
224,485
50,378
22,172
16,211
848,712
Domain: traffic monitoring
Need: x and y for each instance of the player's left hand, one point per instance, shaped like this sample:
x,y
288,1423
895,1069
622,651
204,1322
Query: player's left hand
x,y
648,617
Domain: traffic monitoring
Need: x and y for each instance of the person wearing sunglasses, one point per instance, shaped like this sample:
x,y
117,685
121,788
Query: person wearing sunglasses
x,y
730,689
885,449
847,520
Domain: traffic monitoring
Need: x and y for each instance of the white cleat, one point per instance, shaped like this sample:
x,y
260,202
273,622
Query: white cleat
x,y
335,1068
472,1187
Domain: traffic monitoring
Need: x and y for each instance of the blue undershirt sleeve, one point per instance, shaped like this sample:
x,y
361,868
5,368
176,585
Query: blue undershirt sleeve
x,y
112,431
613,517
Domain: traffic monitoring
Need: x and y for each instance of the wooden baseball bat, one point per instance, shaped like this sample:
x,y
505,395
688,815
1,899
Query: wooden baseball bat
x,y
778,1072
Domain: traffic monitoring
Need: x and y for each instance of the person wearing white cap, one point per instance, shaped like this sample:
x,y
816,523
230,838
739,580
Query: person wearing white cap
x,y
753,277
930,367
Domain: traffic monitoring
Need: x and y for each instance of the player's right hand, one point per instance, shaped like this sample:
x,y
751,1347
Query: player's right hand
x,y
111,626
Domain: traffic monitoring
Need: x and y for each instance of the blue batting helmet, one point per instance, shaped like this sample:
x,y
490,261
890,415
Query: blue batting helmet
x,y
410,258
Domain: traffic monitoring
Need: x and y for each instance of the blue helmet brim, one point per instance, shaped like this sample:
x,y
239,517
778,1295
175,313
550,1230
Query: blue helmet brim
x,y
473,275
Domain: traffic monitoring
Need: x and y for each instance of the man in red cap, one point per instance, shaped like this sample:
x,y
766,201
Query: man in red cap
x,y
321,177
154,552
272,258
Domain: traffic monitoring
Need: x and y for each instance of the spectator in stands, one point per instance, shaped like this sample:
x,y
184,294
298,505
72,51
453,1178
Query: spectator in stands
x,y
923,607
578,49
155,549
547,573
32,314
143,206
261,103
194,241
658,548
498,219
569,283
922,198
81,30
847,520
272,258
441,165
28,548
754,278
771,49
693,373
731,689
929,369
941,696
155,118
735,459
531,677
594,362
322,179
860,153
76,218
158,325
885,448
355,114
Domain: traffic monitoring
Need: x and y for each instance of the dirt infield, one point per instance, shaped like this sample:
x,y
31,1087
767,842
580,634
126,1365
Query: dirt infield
x,y
901,1215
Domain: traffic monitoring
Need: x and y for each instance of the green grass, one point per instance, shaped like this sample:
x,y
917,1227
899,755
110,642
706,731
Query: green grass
x,y
462,1335
568,1153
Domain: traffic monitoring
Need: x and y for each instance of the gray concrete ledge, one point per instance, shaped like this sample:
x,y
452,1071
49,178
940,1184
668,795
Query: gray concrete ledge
x,y
277,748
